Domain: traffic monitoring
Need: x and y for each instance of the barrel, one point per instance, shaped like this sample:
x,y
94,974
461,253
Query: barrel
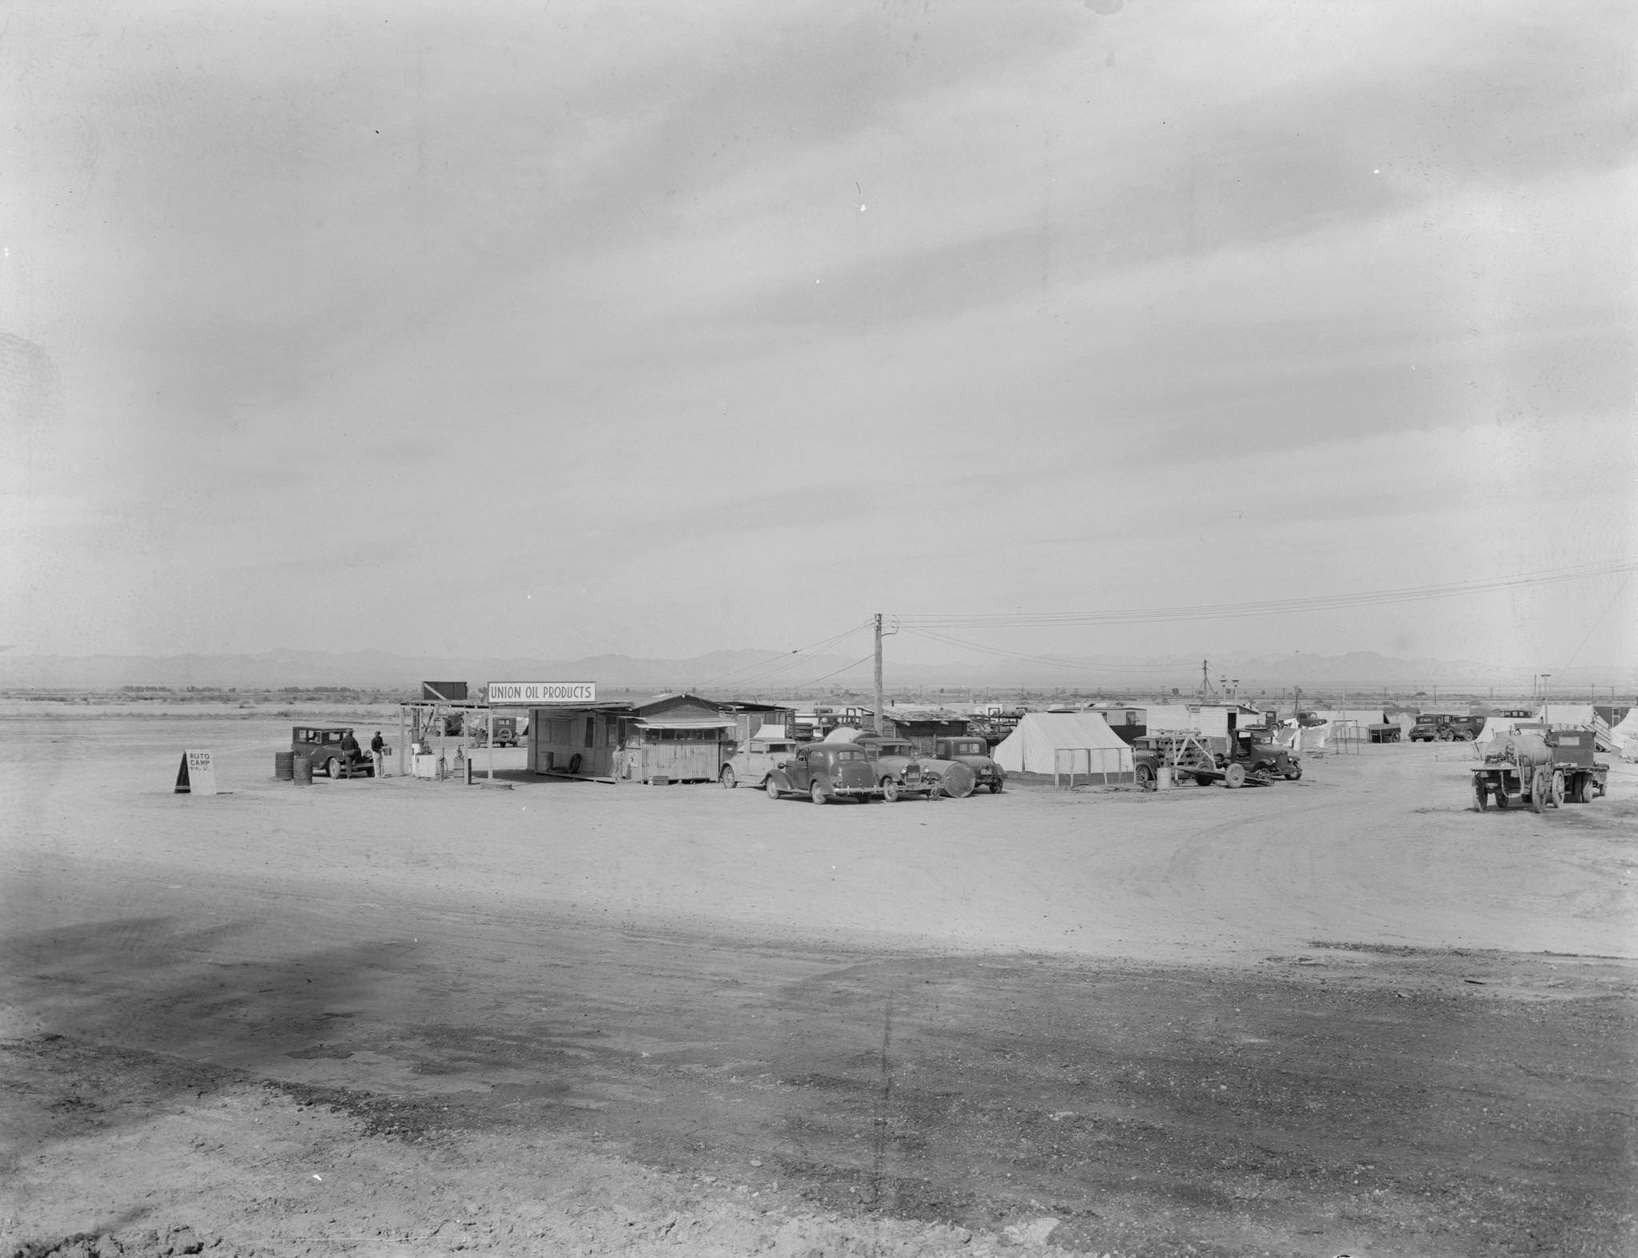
x,y
1163,778
302,769
284,766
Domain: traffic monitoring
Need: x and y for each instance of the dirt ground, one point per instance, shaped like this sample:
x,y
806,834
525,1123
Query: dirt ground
x,y
1346,1015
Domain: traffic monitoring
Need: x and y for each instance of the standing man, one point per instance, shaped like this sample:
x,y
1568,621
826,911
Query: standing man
x,y
378,753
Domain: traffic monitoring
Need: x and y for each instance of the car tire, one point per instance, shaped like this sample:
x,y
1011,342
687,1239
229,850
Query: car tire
x,y
1555,789
575,763
332,768
890,790
727,778
1234,777
1481,794
995,788
1293,773
816,793
772,788
1146,777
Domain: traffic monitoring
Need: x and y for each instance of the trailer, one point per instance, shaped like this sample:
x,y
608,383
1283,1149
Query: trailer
x,y
1541,767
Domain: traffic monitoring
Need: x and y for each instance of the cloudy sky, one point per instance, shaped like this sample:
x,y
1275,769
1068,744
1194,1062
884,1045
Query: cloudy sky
x,y
553,329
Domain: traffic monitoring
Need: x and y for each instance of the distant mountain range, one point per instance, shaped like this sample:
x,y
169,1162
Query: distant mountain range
x,y
752,674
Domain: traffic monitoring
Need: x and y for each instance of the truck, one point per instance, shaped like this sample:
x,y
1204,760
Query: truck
x,y
1248,757
1542,767
1445,727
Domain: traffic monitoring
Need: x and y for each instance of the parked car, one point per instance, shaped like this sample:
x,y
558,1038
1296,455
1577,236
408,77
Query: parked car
x,y
1444,727
759,757
333,749
974,752
825,772
900,769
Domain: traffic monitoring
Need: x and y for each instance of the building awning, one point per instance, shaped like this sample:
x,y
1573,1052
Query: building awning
x,y
698,722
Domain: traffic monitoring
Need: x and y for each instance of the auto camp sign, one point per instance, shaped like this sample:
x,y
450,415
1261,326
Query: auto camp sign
x,y
542,692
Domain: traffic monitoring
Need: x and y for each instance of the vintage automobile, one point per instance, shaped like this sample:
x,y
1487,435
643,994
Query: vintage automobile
x,y
333,749
900,769
974,752
825,772
759,756
1444,727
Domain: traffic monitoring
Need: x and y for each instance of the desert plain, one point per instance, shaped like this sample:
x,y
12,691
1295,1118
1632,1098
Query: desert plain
x,y
1345,1015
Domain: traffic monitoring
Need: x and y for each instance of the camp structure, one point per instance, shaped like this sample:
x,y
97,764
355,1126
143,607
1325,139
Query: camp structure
x,y
1080,744
922,725
1625,735
673,738
1362,725
1209,720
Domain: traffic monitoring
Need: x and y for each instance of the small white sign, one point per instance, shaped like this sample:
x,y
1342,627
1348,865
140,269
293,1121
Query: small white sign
x,y
197,776
542,692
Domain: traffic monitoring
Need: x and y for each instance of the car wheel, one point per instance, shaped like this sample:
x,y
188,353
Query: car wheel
x,y
995,787
816,793
772,788
728,780
1445,735
1234,776
1202,779
1538,790
1293,773
890,790
1146,777
332,768
1481,794
1555,789
574,763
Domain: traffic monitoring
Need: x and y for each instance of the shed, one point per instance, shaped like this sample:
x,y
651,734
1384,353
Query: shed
x,y
920,726
674,738
1129,721
750,718
1210,720
1046,742
579,739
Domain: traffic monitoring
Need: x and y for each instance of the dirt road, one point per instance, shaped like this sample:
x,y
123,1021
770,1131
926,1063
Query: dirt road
x,y
1348,1014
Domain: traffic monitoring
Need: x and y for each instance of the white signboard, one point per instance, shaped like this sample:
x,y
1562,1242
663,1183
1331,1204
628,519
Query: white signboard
x,y
196,775
538,692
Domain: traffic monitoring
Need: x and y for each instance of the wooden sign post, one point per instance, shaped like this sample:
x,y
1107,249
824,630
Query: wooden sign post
x,y
196,775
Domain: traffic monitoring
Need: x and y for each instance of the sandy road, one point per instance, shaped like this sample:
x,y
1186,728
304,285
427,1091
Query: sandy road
x,y
1165,1023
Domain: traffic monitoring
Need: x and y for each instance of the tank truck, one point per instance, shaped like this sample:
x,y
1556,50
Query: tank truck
x,y
1540,767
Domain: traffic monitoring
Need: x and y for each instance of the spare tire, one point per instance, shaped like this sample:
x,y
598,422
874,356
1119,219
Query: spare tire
x,y
959,781
574,763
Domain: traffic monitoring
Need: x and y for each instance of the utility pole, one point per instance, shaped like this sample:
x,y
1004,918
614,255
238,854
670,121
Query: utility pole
x,y
878,672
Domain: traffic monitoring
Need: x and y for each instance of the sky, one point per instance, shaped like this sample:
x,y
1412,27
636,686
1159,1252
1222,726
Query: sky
x,y
538,330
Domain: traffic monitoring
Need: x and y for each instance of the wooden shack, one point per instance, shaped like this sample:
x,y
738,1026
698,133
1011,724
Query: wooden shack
x,y
673,738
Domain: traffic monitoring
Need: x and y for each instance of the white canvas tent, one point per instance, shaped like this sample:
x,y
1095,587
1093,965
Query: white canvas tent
x,y
1034,745
1625,735
1497,727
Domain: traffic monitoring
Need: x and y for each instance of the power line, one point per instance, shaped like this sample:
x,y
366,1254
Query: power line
x,y
863,659
1268,607
786,662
